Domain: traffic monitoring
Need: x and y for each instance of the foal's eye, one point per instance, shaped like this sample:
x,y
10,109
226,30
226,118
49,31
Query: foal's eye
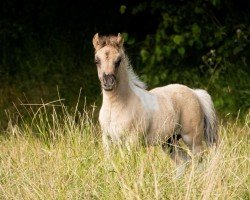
x,y
97,61
118,62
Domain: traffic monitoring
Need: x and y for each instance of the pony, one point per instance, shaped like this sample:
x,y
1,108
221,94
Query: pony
x,y
161,116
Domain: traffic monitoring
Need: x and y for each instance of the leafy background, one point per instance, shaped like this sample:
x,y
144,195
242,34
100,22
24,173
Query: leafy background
x,y
46,49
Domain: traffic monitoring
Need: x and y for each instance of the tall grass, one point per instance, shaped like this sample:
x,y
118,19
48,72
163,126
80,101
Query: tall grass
x,y
60,156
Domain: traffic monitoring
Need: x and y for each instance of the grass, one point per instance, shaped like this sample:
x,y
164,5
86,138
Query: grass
x,y
60,156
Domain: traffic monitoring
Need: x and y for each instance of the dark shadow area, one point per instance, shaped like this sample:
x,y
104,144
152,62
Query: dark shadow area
x,y
46,48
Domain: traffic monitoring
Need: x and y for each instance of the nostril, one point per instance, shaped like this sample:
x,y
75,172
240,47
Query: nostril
x,y
108,79
111,80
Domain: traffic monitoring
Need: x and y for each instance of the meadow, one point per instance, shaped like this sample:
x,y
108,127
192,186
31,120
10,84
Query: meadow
x,y
50,146
56,153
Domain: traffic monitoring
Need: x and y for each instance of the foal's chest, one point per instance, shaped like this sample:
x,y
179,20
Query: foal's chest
x,y
117,123
113,120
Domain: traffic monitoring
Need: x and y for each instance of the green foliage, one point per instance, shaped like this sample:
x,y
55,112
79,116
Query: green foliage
x,y
123,9
199,44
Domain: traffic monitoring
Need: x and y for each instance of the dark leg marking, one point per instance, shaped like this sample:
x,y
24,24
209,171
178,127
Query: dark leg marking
x,y
171,142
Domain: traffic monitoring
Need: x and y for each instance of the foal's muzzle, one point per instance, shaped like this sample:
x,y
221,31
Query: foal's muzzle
x,y
109,81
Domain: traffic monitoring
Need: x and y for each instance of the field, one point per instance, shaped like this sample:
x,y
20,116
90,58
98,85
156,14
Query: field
x,y
57,154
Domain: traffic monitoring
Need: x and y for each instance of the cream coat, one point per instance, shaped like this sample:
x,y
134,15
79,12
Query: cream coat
x,y
130,113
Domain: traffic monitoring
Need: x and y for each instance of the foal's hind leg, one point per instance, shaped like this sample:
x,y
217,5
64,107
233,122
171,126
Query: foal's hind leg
x,y
172,145
193,139
178,154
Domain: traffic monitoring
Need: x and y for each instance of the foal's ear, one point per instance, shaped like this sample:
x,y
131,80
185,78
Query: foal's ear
x,y
120,40
95,40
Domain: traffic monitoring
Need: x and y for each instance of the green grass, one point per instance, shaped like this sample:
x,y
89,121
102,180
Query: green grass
x,y
60,156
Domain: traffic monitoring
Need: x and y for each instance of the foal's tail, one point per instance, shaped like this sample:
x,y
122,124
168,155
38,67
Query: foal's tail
x,y
207,105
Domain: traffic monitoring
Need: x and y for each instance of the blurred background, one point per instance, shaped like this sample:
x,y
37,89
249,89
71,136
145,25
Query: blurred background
x,y
46,49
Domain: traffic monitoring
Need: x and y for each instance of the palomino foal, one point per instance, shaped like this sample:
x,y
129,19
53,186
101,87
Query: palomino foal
x,y
165,114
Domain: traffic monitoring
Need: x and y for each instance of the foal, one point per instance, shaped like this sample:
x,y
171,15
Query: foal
x,y
130,113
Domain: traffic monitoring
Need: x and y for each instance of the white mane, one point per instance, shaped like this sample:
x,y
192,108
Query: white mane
x,y
133,77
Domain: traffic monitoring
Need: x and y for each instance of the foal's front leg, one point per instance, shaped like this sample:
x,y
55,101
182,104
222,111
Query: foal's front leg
x,y
106,144
131,140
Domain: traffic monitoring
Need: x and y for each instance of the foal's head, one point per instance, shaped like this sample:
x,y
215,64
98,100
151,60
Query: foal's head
x,y
109,55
